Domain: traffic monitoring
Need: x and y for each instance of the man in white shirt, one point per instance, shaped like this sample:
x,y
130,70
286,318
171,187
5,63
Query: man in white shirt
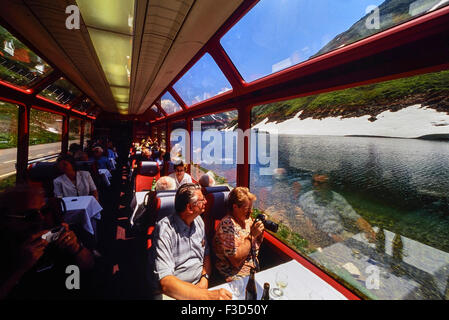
x,y
180,175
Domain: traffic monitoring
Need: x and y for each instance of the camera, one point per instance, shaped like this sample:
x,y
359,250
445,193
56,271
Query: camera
x,y
269,225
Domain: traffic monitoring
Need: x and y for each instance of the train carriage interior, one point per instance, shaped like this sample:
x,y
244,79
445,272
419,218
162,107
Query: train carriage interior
x,y
334,114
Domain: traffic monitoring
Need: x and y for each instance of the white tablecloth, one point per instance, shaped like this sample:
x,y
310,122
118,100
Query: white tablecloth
x,y
106,176
136,202
83,211
302,284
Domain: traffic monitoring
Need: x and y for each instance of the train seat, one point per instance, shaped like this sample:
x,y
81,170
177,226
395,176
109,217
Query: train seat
x,y
146,173
43,174
217,198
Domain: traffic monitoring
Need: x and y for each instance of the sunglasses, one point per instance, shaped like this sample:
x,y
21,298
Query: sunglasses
x,y
28,215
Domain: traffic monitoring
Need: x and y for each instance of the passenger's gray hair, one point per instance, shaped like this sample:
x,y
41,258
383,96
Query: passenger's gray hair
x,y
207,180
165,183
185,195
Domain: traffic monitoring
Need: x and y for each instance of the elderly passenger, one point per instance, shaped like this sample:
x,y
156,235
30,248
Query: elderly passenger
x,y
207,180
165,183
180,175
237,239
100,159
73,183
182,265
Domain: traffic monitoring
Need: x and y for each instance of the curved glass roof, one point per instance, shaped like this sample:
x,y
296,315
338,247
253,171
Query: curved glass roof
x,y
277,34
19,65
203,81
60,91
169,104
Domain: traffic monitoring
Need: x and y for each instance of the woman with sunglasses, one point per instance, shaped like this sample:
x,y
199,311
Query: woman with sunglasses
x,y
180,175
34,267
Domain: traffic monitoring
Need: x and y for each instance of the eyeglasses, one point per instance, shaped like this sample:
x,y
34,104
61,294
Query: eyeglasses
x,y
179,170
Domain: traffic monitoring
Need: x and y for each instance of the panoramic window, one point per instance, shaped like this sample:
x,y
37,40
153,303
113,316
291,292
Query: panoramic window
x,y
60,91
157,111
214,147
45,134
296,32
203,81
87,131
8,144
169,104
364,190
18,64
74,130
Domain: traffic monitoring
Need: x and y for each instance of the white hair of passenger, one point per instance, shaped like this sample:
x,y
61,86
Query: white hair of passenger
x,y
207,180
165,183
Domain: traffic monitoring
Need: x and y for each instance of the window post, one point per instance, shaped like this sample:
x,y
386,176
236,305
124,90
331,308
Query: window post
x,y
22,143
65,134
244,123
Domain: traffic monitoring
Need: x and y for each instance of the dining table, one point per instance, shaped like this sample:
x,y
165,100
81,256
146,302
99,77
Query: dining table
x,y
84,211
302,284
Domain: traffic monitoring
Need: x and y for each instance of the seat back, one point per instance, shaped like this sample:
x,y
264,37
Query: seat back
x,y
43,174
146,173
216,208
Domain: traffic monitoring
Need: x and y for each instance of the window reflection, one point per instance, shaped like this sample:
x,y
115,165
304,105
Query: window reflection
x,y
365,205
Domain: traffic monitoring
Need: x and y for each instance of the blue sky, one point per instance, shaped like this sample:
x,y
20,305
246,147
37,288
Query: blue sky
x,y
272,36
277,30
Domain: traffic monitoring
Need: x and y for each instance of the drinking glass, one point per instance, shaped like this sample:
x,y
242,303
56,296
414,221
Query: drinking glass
x,y
281,282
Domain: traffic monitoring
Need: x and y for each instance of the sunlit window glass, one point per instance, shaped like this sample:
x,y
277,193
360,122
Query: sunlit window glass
x,y
277,34
45,134
169,104
360,181
8,144
214,147
203,81
18,64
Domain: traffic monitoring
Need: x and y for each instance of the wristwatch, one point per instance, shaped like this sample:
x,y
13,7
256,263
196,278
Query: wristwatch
x,y
205,276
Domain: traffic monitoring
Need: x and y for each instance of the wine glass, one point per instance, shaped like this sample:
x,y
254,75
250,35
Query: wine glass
x,y
236,287
281,282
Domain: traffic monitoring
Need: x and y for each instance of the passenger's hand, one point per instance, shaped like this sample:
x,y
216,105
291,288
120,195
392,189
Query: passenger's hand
x,y
220,294
68,240
257,229
32,250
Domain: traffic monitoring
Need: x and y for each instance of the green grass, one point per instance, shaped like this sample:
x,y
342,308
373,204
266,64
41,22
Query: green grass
x,y
432,88
7,182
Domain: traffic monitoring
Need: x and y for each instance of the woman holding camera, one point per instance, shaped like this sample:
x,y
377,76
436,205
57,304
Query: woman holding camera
x,y
238,237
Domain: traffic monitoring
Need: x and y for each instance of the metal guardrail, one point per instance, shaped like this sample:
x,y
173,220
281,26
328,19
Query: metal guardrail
x,y
52,156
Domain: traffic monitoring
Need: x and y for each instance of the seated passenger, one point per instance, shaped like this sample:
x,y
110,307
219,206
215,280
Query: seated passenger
x,y
81,156
180,175
207,180
73,183
146,155
33,268
181,253
101,161
237,239
165,183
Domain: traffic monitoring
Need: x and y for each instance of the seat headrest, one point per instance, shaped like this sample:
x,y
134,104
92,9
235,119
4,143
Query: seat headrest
x,y
43,171
165,206
83,165
208,190
166,193
148,168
